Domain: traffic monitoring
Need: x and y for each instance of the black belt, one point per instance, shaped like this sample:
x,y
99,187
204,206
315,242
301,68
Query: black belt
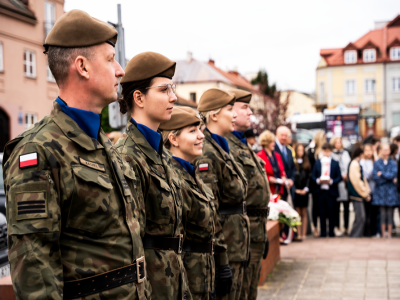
x,y
106,281
163,243
227,209
190,246
258,212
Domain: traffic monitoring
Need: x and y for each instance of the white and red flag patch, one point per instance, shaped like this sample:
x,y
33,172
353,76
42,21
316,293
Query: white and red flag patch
x,y
28,160
203,167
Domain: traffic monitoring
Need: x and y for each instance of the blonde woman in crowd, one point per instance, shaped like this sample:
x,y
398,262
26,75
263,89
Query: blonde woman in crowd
x,y
343,157
314,153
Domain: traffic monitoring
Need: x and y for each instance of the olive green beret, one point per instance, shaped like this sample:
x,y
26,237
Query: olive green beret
x,y
241,95
181,117
214,98
77,28
147,65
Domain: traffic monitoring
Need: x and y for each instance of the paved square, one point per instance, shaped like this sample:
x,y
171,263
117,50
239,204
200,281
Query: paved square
x,y
339,268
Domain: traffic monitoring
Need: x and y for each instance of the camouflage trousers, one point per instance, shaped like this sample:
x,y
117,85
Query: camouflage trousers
x,y
252,274
237,271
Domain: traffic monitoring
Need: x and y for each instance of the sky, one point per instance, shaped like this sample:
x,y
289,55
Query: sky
x,y
283,37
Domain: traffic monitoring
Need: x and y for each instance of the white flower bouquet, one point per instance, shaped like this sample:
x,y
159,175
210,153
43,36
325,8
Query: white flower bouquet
x,y
281,211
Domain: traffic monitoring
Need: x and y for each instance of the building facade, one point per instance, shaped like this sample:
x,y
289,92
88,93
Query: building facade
x,y
299,103
27,87
364,74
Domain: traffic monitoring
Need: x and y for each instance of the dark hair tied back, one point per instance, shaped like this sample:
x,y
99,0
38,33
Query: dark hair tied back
x,y
128,88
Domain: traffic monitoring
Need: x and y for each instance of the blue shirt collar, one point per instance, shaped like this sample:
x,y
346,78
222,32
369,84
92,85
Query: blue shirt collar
x,y
152,137
240,136
185,164
220,140
88,121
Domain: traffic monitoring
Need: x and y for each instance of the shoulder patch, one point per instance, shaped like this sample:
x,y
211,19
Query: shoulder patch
x,y
203,167
28,160
91,164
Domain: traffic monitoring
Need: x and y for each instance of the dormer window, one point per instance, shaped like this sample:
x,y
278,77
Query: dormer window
x,y
369,55
395,53
350,57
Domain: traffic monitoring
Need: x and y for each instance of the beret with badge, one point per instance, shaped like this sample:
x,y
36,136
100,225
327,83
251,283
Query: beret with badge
x,y
182,116
147,65
241,95
214,98
77,28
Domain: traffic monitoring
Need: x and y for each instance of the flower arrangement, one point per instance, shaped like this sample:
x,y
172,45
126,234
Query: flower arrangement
x,y
281,211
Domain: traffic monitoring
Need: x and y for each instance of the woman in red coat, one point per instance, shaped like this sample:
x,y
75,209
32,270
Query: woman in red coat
x,y
273,163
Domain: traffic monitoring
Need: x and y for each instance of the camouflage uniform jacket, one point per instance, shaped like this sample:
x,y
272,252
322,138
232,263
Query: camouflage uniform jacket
x,y
201,225
159,191
257,185
73,215
229,186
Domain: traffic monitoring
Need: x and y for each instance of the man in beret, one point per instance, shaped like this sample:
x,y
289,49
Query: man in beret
x,y
72,207
257,192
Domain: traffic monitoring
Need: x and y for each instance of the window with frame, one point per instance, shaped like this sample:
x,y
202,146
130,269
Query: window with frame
x,y
50,76
1,58
193,97
395,53
30,64
321,92
49,17
369,55
350,57
30,119
350,87
396,84
370,85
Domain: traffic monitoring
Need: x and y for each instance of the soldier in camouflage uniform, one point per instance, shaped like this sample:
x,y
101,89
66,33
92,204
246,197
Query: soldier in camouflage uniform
x,y
220,172
148,95
257,192
183,137
72,208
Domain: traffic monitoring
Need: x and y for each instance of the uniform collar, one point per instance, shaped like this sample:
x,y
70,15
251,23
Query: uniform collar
x,y
88,121
221,141
240,136
153,137
185,164
71,129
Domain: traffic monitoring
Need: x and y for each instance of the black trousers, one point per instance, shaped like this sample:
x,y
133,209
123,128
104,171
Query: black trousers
x,y
326,205
315,209
346,213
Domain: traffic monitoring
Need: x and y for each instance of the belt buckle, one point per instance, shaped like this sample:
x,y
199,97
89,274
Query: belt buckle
x,y
244,208
180,244
212,246
138,261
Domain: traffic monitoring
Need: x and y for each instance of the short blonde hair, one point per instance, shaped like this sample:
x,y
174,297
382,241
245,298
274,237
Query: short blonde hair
x,y
206,114
266,138
333,141
167,133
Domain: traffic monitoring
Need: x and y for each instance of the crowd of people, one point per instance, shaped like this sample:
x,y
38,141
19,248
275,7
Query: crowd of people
x,y
333,177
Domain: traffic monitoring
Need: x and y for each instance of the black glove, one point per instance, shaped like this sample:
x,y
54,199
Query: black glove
x,y
266,249
223,280
247,263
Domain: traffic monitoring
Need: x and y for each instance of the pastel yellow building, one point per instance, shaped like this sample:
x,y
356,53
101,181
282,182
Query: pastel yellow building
x,y
299,103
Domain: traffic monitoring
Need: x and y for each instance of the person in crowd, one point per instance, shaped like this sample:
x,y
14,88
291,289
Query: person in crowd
x,y
396,140
359,192
148,95
367,164
301,188
343,157
252,140
183,137
385,193
273,163
327,191
290,144
258,193
281,148
314,153
223,175
394,150
72,207
375,146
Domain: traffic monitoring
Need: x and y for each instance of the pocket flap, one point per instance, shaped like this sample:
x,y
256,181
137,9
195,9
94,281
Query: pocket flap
x,y
90,175
163,184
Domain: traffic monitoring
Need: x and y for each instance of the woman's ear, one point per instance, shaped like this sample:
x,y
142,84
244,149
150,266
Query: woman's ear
x,y
138,98
214,117
173,140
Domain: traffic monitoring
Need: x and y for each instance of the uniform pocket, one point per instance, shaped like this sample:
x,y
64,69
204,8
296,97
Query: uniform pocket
x,y
90,203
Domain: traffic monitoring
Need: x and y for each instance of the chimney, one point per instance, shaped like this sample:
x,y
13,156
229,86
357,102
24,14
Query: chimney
x,y
211,62
189,57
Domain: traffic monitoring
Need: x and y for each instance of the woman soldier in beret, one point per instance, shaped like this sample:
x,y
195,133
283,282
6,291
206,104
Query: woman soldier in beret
x,y
183,137
220,172
148,95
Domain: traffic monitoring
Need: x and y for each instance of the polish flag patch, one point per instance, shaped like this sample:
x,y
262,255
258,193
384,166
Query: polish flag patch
x,y
28,160
203,167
